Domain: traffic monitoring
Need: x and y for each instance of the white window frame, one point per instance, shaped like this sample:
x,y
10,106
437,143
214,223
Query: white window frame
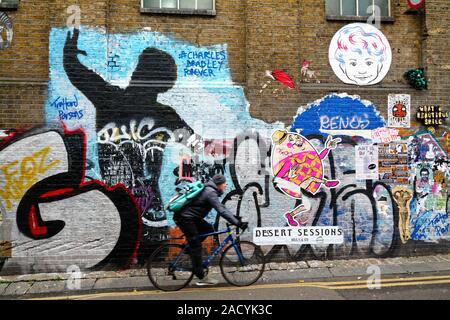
x,y
6,5
177,10
341,16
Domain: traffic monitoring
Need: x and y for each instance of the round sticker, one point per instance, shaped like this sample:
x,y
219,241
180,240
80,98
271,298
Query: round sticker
x,y
360,54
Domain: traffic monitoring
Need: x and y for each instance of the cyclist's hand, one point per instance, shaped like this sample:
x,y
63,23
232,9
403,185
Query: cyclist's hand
x,y
243,225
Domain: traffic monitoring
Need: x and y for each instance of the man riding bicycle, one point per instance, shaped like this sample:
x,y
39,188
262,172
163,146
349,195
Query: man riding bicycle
x,y
191,222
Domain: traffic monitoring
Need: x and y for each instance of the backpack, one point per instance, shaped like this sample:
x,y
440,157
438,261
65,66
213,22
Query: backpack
x,y
185,196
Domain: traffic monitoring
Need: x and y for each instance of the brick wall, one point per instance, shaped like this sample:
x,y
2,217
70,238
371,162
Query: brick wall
x,y
42,83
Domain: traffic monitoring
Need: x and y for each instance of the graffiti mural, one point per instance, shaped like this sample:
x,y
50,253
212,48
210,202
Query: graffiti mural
x,y
6,31
54,218
144,119
139,114
338,114
360,54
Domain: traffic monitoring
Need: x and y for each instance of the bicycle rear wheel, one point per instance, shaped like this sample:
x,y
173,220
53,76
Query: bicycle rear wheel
x,y
169,268
244,266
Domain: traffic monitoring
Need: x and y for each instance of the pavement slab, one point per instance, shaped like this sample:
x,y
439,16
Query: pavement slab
x,y
47,287
122,283
3,287
17,288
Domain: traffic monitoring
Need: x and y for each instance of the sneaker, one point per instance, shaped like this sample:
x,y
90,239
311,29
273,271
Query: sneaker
x,y
290,220
207,282
332,183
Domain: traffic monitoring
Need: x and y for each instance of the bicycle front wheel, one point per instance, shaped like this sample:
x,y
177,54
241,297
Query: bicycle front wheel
x,y
169,268
242,264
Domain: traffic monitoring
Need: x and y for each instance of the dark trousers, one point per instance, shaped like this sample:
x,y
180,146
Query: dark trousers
x,y
192,228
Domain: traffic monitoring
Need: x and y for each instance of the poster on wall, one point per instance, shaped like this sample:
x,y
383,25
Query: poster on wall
x,y
393,162
366,162
298,235
385,135
399,110
360,54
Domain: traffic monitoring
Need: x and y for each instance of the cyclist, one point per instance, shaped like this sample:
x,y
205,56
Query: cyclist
x,y
191,221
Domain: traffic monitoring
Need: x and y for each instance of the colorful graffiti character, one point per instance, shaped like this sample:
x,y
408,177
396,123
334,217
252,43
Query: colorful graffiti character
x,y
360,54
298,166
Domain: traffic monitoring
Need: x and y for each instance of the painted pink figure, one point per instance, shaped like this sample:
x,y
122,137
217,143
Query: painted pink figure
x,y
298,166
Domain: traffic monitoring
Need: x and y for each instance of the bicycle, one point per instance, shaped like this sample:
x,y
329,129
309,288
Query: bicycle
x,y
169,268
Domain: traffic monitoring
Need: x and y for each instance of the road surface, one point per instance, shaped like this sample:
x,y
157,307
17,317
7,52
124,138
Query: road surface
x,y
429,287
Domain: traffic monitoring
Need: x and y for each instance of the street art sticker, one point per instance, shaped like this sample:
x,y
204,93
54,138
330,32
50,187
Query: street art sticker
x,y
402,197
278,77
282,77
297,166
366,162
424,147
6,31
360,54
385,135
415,4
399,110
393,162
338,114
306,73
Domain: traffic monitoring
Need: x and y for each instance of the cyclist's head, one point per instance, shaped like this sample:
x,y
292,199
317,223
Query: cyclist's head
x,y
220,181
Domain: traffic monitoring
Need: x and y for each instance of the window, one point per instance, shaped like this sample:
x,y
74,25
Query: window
x,y
357,9
202,7
9,4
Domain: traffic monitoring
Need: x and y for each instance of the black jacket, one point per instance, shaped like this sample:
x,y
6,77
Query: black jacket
x,y
202,204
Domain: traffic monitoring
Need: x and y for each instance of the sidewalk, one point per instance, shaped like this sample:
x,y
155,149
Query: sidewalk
x,y
23,286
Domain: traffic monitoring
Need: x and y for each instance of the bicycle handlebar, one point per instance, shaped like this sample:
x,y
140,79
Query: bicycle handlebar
x,y
240,220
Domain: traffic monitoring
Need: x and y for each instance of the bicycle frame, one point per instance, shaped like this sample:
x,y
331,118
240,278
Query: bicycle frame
x,y
232,235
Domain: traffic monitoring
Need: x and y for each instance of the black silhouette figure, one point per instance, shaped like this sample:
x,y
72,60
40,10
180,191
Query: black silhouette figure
x,y
123,116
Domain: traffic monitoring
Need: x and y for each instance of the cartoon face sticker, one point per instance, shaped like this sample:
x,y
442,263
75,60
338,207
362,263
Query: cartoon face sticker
x,y
360,54
399,110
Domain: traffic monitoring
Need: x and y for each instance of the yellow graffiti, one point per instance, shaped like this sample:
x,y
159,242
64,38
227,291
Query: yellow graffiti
x,y
19,176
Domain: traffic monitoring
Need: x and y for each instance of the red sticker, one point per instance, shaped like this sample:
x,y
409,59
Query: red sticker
x,y
415,4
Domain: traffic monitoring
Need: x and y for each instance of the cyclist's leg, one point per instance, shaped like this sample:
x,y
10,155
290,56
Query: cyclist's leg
x,y
189,228
204,227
